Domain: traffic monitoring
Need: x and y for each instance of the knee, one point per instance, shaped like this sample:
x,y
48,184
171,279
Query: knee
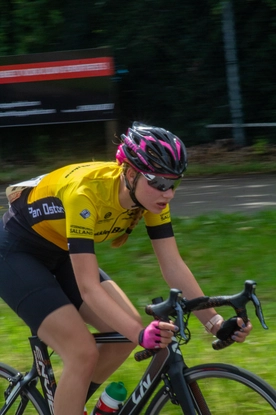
x,y
89,356
85,359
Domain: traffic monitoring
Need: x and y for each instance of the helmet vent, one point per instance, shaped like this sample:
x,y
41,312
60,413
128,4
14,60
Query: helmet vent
x,y
151,152
170,159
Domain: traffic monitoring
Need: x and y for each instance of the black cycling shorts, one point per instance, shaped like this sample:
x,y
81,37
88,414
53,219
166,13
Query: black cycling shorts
x,y
36,280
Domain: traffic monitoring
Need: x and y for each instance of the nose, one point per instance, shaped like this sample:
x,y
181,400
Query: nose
x,y
169,194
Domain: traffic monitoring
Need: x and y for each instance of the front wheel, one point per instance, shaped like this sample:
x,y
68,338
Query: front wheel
x,y
28,402
220,389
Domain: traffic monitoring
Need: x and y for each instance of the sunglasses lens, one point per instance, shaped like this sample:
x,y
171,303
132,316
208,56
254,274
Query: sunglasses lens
x,y
161,183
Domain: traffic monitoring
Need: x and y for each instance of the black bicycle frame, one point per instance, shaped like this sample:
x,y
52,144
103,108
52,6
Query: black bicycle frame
x,y
166,365
44,370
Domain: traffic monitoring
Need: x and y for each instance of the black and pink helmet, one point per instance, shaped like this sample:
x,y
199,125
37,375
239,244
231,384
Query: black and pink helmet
x,y
152,150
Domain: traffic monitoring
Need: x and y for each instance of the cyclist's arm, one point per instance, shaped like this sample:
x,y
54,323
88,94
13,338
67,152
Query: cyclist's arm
x,y
178,275
86,271
93,294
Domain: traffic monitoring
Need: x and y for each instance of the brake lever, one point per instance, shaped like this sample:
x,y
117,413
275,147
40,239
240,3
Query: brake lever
x,y
160,309
248,294
258,310
180,322
238,302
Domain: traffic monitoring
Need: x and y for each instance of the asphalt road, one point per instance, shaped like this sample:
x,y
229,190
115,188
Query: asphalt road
x,y
246,194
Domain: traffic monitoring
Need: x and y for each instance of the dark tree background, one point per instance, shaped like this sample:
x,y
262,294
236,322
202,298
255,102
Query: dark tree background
x,y
169,57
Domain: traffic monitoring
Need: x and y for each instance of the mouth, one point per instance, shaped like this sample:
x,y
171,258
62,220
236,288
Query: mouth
x,y
162,205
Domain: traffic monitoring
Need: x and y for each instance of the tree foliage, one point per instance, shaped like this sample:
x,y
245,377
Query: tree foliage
x,y
173,53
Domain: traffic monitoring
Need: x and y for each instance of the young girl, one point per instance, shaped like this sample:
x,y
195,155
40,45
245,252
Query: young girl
x,y
49,271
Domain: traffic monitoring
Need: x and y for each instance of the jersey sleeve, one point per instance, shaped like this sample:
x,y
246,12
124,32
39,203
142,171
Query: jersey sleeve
x,y
80,216
159,225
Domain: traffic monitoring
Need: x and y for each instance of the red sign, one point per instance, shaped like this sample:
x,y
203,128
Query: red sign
x,y
46,71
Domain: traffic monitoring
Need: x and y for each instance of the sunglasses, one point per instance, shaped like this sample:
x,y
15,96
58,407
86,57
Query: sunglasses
x,y
162,183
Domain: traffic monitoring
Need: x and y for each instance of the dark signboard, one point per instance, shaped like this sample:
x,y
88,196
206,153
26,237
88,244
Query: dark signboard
x,y
56,87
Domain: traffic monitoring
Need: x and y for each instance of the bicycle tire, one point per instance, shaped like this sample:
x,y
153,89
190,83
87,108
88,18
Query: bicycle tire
x,y
29,401
226,390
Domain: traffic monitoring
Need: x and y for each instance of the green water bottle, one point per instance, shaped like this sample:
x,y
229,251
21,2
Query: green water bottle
x,y
111,399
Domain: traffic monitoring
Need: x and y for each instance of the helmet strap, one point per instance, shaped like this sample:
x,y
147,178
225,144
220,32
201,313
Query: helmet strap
x,y
132,191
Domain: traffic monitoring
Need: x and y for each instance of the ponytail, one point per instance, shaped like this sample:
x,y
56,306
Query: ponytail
x,y
116,243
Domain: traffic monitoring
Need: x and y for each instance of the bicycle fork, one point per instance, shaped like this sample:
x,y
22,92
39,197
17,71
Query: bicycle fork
x,y
166,365
189,397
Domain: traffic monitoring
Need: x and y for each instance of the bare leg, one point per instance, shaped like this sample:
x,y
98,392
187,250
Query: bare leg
x,y
111,355
65,332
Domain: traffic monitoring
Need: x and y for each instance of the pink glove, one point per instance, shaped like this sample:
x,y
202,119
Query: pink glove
x,y
150,336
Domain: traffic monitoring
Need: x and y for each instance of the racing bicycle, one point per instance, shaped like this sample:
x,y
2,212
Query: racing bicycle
x,y
168,386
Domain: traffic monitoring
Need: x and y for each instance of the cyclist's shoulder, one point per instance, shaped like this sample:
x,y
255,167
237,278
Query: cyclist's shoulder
x,y
97,181
90,169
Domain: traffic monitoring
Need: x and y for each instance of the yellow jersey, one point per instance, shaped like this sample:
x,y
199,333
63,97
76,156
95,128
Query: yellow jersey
x,y
77,205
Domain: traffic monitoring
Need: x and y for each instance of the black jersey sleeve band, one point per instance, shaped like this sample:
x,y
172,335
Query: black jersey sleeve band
x,y
160,231
81,246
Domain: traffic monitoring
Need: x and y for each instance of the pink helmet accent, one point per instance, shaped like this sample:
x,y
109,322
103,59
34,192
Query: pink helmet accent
x,y
120,155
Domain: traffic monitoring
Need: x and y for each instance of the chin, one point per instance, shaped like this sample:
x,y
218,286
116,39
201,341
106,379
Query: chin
x,y
157,209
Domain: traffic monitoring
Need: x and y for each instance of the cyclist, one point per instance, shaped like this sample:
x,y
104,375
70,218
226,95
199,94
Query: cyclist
x,y
49,270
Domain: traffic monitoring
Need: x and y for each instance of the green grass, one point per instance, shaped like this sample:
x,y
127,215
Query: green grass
x,y
222,251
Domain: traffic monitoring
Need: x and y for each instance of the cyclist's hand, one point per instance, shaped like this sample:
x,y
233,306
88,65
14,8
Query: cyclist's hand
x,y
242,332
157,335
235,328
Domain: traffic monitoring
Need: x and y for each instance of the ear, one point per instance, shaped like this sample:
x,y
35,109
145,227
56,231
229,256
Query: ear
x,y
131,174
